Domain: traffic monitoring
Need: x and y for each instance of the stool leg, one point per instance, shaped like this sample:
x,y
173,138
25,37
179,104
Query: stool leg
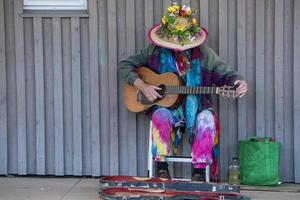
x,y
207,174
150,158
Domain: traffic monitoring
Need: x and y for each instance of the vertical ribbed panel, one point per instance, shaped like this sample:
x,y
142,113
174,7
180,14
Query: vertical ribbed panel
x,y
58,96
20,90
242,65
296,91
112,91
39,96
61,99
131,136
3,103
94,89
76,96
279,77
223,104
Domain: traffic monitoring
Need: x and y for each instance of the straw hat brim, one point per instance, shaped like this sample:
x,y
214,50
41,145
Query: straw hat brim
x,y
157,40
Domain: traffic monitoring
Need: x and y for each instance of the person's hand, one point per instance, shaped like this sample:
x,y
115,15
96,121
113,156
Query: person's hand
x,y
242,87
148,90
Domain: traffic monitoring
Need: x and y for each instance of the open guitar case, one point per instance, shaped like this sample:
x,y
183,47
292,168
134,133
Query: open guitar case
x,y
143,188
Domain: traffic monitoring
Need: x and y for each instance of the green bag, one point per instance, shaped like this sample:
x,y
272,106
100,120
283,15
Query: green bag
x,y
259,162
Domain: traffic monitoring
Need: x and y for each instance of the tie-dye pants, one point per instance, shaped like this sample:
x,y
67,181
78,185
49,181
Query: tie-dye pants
x,y
205,143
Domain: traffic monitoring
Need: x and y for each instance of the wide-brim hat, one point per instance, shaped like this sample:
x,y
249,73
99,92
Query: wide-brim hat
x,y
156,37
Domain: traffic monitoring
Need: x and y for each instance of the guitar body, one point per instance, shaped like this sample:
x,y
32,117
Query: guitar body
x,y
148,76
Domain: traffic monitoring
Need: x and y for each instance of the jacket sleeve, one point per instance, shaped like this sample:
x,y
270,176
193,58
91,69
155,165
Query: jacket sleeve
x,y
221,73
127,67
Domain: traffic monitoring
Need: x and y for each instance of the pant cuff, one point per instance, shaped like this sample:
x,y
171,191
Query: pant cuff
x,y
200,165
160,158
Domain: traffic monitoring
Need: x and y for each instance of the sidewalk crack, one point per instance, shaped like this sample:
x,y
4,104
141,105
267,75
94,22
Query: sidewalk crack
x,y
69,190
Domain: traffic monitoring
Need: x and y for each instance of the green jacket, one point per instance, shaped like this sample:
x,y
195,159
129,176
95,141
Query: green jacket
x,y
214,70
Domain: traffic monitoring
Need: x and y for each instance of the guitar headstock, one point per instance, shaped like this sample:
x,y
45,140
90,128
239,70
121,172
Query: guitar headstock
x,y
227,91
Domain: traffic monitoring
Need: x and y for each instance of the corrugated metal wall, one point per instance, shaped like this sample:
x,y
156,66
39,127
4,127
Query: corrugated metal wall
x,y
61,106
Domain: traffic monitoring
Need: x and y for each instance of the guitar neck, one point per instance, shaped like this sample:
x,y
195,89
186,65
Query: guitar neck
x,y
191,90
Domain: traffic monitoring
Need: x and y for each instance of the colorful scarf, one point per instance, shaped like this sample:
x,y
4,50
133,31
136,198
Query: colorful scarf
x,y
190,71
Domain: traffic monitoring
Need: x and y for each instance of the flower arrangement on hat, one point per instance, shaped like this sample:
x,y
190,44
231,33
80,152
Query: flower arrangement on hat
x,y
179,24
178,30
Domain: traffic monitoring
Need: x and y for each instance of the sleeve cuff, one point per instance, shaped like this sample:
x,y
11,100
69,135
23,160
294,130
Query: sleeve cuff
x,y
131,80
234,79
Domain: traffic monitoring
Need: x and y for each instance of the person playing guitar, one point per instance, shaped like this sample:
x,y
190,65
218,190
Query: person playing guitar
x,y
177,45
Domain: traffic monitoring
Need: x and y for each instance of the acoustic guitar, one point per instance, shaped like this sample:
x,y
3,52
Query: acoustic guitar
x,y
171,90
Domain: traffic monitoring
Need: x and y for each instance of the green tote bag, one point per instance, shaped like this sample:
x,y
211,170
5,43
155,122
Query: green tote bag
x,y
259,162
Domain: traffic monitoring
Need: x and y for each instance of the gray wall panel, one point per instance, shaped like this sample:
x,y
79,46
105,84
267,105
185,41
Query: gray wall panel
x,y
131,130
104,88
232,61
62,109
21,92
124,8
85,87
76,96
113,87
11,88
250,57
49,95
94,88
269,68
157,10
30,96
142,121
3,103
296,91
67,96
223,104
58,96
123,114
260,67
278,77
241,65
288,146
39,77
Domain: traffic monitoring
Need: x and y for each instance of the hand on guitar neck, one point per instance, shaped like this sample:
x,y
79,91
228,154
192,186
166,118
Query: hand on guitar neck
x,y
148,90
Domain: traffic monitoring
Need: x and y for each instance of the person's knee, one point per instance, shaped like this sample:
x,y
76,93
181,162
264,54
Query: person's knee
x,y
205,115
162,114
205,121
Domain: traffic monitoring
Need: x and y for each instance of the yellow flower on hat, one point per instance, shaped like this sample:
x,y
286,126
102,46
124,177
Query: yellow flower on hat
x,y
171,9
188,11
180,27
193,21
176,7
164,20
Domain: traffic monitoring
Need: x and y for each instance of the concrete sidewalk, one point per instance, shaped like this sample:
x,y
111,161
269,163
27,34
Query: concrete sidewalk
x,y
18,188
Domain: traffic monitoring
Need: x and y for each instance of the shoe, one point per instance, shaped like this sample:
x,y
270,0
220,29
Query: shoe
x,y
198,178
162,170
163,174
198,175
